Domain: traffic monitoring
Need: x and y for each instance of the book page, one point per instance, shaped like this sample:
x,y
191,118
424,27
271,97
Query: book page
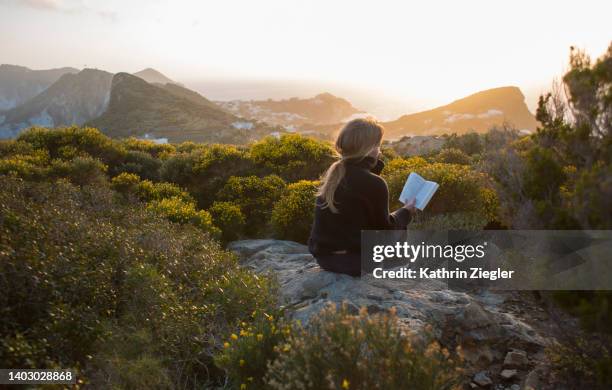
x,y
420,189
411,188
424,196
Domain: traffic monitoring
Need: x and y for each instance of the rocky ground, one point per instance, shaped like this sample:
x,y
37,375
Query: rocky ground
x,y
503,335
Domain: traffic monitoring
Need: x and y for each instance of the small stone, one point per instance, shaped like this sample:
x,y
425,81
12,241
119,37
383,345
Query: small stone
x,y
508,374
515,358
473,385
482,379
515,387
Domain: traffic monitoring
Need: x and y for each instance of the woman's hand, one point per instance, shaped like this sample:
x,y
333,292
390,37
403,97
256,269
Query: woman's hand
x,y
410,205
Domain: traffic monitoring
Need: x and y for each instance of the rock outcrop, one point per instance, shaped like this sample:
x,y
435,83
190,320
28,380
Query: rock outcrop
x,y
478,322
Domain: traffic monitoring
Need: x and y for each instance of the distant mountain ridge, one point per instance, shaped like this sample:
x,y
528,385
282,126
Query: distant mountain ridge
x,y
293,113
72,99
477,112
19,84
138,108
149,104
153,76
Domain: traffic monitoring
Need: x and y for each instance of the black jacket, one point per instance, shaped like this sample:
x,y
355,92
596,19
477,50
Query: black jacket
x,y
362,199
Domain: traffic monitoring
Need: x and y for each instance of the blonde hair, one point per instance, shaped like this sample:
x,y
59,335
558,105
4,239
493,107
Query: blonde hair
x,y
355,141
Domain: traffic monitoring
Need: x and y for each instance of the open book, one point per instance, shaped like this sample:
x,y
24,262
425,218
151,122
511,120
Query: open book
x,y
419,188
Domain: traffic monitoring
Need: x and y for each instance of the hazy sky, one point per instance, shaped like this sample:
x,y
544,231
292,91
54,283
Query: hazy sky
x,y
422,52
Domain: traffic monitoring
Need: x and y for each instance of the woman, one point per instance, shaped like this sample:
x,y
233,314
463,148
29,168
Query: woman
x,y
353,197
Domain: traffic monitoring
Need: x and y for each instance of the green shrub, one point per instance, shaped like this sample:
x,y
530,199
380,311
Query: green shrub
x,y
342,351
450,221
112,290
147,191
462,189
293,214
126,183
255,196
248,352
27,164
153,149
293,157
79,140
588,196
543,174
179,211
453,156
469,143
228,217
140,163
80,170
205,170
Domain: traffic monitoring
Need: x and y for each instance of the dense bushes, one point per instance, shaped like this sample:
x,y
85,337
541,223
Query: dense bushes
x,y
112,290
453,156
294,212
229,218
255,197
293,157
177,210
337,350
561,178
463,189
204,170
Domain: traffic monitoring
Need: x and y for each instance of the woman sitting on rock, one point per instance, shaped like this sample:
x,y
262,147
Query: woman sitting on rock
x,y
353,197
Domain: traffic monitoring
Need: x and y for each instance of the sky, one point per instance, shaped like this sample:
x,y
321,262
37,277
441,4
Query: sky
x,y
408,55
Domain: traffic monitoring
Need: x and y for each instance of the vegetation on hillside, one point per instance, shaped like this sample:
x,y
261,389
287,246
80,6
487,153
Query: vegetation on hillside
x,y
112,254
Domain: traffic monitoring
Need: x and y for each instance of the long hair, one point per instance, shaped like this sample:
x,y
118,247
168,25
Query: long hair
x,y
355,141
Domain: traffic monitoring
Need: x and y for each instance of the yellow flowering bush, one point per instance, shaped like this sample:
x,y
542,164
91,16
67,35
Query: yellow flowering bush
x,y
293,156
177,210
248,352
341,350
228,217
293,213
119,294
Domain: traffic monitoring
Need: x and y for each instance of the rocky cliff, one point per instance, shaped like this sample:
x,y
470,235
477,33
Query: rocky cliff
x,y
73,99
18,84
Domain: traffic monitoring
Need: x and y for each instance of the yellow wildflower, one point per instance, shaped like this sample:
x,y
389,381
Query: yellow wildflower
x,y
345,384
241,362
226,344
234,337
259,336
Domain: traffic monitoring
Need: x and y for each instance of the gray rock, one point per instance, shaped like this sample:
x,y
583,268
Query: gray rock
x,y
532,381
482,379
516,359
508,374
476,322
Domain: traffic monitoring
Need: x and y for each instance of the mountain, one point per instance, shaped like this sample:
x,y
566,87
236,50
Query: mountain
x,y
72,99
138,108
185,93
294,113
152,76
19,84
478,112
